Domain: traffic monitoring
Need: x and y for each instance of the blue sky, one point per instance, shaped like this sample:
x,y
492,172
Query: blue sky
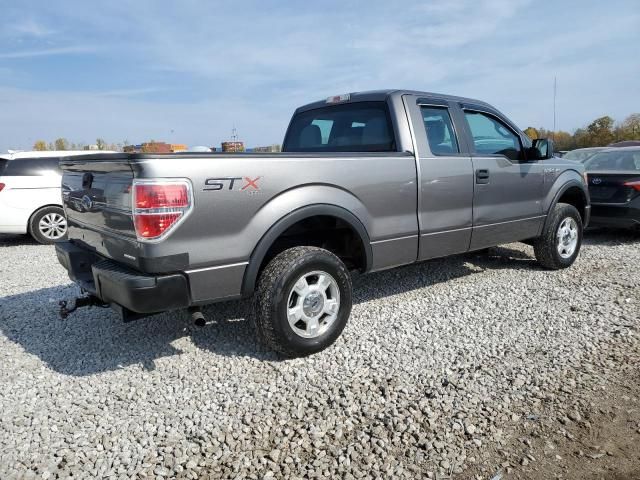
x,y
191,70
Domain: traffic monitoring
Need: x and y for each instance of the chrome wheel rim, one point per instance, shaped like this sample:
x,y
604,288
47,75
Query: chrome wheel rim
x,y
567,237
53,226
313,304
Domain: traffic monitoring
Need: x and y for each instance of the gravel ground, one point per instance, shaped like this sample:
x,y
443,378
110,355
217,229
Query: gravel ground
x,y
439,366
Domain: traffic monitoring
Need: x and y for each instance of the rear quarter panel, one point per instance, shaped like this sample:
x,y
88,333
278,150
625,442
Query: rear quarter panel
x,y
226,224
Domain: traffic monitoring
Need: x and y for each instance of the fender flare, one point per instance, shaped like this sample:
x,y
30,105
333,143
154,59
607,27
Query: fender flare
x,y
278,228
566,186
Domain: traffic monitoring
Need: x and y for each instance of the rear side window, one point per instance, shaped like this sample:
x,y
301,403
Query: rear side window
x,y
492,137
351,127
440,133
25,167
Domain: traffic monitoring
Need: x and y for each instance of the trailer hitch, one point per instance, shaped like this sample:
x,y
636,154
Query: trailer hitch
x,y
79,302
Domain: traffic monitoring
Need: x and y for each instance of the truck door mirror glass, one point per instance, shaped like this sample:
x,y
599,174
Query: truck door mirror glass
x,y
542,149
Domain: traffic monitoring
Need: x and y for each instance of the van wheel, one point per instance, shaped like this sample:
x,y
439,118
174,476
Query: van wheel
x,y
48,225
560,242
303,301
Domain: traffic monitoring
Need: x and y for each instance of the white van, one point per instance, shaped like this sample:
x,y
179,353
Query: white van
x,y
30,196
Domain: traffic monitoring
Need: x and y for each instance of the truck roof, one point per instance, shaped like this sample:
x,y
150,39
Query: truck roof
x,y
382,95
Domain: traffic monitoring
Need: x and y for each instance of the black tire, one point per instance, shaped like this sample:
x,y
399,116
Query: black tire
x,y
43,235
546,246
272,297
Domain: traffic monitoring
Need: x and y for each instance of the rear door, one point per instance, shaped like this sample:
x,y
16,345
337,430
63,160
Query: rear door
x,y
507,200
445,178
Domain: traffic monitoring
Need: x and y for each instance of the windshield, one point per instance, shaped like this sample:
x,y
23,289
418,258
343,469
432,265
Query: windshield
x,y
581,155
351,127
624,160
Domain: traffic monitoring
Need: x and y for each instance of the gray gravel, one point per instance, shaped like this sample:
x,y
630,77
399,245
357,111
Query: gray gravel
x,y
438,365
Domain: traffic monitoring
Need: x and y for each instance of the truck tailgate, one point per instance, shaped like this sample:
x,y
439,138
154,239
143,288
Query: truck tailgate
x,y
97,196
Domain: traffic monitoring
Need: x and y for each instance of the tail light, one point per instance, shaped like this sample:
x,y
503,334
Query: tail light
x,y
635,185
159,206
1,186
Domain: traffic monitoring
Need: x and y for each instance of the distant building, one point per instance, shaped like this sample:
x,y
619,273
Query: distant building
x,y
233,147
150,147
178,147
91,147
270,149
156,147
132,148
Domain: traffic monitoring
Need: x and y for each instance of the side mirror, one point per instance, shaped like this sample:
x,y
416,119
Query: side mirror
x,y
542,149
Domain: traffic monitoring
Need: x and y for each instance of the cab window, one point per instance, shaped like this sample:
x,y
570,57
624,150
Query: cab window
x,y
492,137
440,134
351,127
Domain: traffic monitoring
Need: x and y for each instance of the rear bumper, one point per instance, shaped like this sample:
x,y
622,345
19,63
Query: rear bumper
x,y
621,216
120,286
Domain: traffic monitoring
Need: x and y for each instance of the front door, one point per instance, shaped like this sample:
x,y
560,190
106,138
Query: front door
x,y
507,203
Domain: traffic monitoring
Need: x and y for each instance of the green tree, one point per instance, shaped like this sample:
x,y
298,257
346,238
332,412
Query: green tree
x,y
40,145
563,140
600,132
61,144
631,127
580,138
531,132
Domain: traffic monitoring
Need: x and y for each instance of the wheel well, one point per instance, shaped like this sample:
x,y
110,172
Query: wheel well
x,y
324,231
575,196
42,207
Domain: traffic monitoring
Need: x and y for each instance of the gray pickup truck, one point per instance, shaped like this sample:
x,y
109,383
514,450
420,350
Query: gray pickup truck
x,y
366,182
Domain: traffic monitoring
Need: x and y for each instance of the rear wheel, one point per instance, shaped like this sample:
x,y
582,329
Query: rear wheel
x,y
560,242
48,225
303,301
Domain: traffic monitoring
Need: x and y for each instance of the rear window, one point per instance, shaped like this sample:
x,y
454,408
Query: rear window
x,y
614,160
352,127
579,155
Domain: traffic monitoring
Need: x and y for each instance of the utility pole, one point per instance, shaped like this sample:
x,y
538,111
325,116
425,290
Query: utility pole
x,y
553,135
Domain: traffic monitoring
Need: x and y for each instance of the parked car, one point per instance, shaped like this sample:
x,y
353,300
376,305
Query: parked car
x,y
626,143
614,187
582,154
367,181
30,198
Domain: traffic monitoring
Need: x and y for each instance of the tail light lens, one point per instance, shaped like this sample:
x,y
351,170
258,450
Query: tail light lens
x,y
1,186
635,185
159,206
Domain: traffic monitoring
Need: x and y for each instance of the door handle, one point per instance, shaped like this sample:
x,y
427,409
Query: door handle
x,y
482,175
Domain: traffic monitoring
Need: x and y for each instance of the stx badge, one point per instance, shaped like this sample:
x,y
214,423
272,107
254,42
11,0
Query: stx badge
x,y
232,183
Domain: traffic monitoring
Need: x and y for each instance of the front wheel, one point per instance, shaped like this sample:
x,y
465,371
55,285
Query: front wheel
x,y
303,301
560,242
48,225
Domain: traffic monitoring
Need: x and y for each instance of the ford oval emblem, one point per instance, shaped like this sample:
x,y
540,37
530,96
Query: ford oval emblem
x,y
87,203
596,181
